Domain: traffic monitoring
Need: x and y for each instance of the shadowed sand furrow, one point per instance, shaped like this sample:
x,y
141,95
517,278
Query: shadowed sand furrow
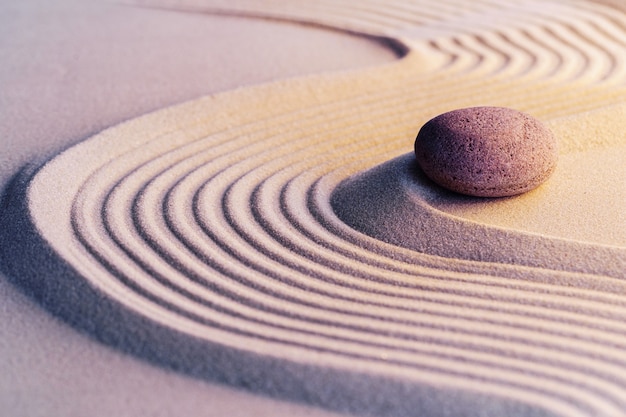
x,y
337,336
284,229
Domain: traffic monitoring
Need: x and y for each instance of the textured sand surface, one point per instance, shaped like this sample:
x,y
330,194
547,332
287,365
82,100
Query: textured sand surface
x,y
280,238
73,68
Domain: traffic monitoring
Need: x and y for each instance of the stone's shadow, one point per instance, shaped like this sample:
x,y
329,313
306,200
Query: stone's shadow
x,y
391,203
35,268
435,191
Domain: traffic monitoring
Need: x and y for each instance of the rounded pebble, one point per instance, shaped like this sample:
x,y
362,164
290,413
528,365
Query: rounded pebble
x,y
486,151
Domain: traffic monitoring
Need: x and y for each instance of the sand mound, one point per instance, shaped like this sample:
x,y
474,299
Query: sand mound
x,y
239,237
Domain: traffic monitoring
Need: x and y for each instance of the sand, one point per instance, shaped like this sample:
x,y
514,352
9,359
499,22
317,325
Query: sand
x,y
48,368
280,238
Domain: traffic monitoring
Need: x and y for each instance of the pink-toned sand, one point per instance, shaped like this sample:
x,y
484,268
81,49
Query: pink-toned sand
x,y
72,68
274,249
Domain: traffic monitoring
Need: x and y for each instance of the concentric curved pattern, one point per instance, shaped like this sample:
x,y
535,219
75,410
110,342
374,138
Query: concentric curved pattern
x,y
242,236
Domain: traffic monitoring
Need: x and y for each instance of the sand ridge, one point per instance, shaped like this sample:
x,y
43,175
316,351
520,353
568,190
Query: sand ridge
x,y
208,229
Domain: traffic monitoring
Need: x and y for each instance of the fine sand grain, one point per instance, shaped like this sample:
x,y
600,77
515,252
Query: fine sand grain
x,y
279,237
71,68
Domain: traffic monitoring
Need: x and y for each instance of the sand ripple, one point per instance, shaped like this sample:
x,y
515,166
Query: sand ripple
x,y
243,237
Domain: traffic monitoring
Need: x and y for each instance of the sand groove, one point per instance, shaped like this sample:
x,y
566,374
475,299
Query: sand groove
x,y
277,238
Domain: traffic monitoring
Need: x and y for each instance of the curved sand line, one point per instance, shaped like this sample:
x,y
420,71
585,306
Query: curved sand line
x,y
225,237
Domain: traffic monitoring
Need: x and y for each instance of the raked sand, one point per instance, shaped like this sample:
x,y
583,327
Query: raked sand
x,y
280,237
121,66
